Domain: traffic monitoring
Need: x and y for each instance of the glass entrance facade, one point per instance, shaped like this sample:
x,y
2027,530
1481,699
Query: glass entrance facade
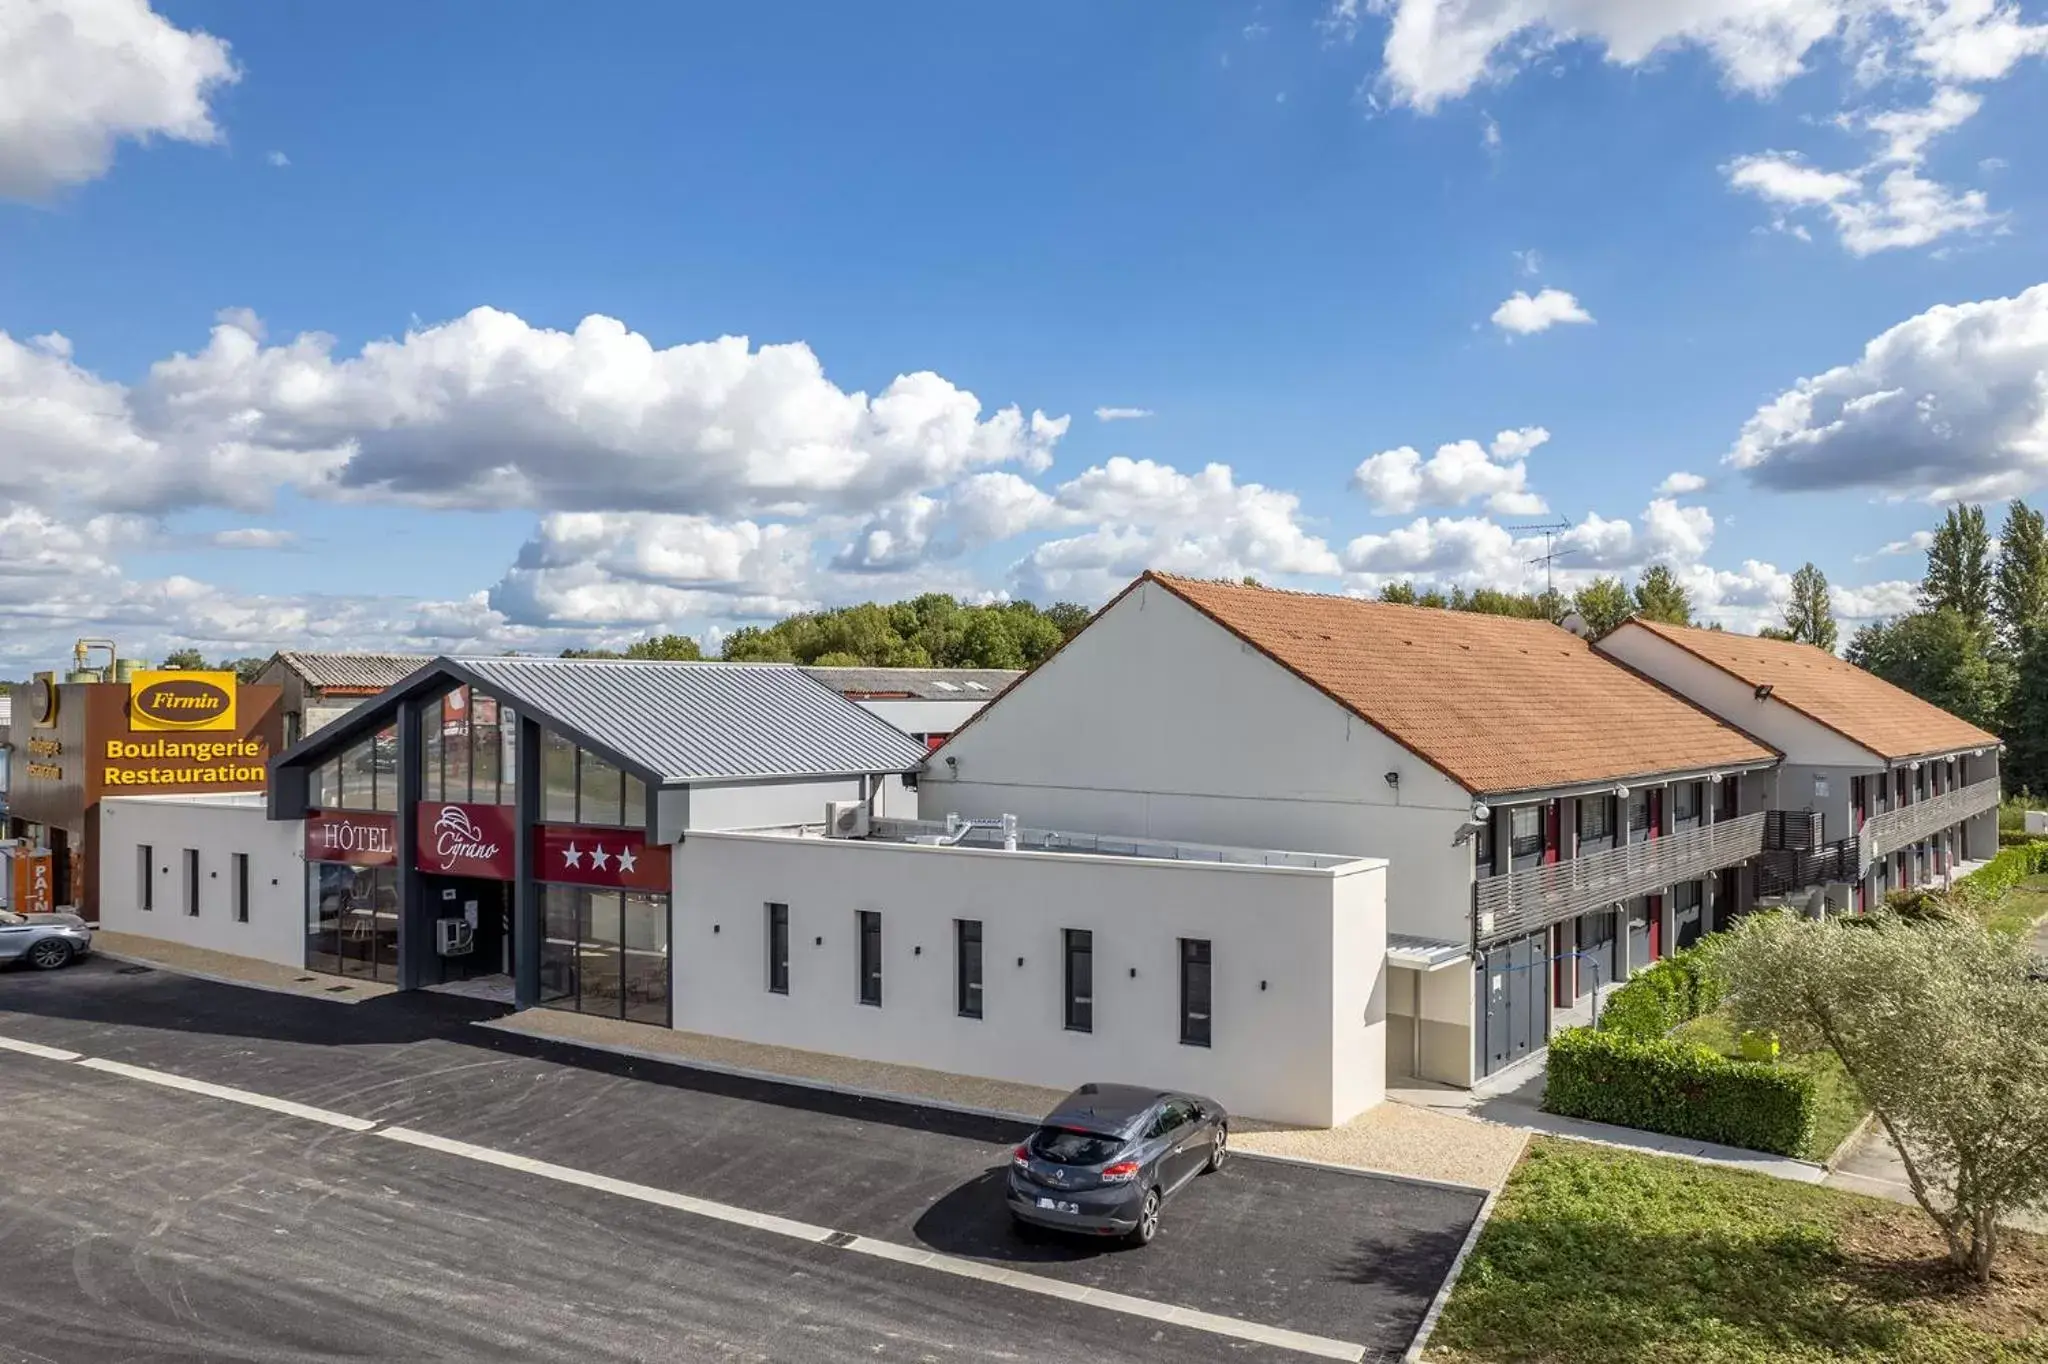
x,y
605,952
352,920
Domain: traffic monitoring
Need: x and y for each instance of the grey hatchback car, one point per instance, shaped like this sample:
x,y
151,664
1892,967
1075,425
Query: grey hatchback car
x,y
1106,1159
43,940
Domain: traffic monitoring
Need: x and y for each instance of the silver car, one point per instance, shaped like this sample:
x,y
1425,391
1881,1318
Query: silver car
x,y
45,941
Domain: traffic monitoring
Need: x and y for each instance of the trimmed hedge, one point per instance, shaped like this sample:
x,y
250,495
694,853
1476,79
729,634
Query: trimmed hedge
x,y
1661,996
1680,1089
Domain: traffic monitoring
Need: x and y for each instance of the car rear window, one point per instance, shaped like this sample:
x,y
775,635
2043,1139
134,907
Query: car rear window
x,y
1070,1146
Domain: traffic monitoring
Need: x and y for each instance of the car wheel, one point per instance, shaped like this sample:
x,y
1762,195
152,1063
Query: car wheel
x,y
49,954
1148,1220
1219,1147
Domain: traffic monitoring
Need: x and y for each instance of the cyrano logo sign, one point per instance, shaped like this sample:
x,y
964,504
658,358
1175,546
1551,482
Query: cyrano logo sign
x,y
180,700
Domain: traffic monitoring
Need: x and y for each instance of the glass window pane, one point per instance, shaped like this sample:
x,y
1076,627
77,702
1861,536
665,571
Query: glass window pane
x,y
561,916
324,883
430,751
597,956
646,965
384,763
486,748
557,779
597,790
508,755
634,815
358,777
327,785
384,926
455,721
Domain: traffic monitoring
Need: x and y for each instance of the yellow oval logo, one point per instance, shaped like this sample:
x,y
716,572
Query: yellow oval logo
x,y
187,701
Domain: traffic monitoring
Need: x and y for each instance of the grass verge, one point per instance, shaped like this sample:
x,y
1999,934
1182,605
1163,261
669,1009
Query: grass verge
x,y
1837,1105
1597,1256
2018,909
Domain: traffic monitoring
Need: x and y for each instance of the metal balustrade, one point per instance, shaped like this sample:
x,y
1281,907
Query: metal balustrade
x,y
1901,828
1781,870
1536,897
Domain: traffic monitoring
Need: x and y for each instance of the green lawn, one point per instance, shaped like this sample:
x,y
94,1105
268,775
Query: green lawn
x,y
2018,909
1598,1256
1837,1105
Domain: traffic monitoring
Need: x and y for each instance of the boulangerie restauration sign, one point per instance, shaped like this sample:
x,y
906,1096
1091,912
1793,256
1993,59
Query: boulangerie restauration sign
x,y
461,839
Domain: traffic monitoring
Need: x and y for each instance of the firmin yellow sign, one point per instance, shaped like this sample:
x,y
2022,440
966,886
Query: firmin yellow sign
x,y
172,699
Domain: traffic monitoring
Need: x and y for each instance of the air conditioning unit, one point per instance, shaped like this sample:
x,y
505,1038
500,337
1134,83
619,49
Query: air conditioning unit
x,y
846,819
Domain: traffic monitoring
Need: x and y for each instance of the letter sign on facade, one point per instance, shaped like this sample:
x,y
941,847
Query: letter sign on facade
x,y
586,855
459,839
175,699
356,837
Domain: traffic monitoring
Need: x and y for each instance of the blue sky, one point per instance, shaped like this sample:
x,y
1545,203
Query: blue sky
x,y
1285,233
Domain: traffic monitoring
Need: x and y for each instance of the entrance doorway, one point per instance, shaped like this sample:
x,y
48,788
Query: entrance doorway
x,y
478,942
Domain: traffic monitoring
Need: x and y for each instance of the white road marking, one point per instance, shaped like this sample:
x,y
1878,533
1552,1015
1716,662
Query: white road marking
x,y
1300,1341
1323,1347
238,1096
37,1049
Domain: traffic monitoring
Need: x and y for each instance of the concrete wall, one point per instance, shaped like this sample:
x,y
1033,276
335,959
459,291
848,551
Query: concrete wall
x,y
218,827
918,716
1216,744
761,804
1438,1005
1297,976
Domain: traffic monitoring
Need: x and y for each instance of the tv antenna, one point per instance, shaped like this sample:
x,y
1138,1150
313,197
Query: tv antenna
x,y
1549,530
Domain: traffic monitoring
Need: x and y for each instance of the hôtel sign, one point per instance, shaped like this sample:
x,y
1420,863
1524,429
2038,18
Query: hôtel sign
x,y
362,838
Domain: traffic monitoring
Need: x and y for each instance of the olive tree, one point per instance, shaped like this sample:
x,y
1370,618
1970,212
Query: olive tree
x,y
1944,1029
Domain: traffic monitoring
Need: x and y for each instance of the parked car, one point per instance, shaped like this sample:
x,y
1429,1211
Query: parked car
x,y
46,941
1109,1156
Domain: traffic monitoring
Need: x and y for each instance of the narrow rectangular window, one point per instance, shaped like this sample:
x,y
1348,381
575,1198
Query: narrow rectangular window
x,y
870,957
778,949
192,882
967,956
145,876
1194,992
1080,979
241,887
1525,831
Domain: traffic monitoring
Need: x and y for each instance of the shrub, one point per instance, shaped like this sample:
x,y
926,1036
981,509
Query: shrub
x,y
1969,897
1680,1089
1659,997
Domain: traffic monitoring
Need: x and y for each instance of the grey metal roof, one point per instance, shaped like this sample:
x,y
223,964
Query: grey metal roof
x,y
370,673
696,721
925,684
1424,954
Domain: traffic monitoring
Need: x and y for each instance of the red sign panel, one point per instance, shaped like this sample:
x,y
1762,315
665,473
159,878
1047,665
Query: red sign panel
x,y
458,839
359,837
33,891
585,855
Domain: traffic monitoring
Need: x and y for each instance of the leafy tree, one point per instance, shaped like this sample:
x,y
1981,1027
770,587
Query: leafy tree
x,y
836,660
1400,594
755,644
1069,617
667,648
1661,597
246,669
992,643
187,660
1603,604
1959,566
2026,717
2019,591
1941,1030
1810,614
1434,597
1940,657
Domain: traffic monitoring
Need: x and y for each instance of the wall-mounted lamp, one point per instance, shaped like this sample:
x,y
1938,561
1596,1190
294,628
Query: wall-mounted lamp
x,y
1763,691
1394,779
817,942
952,764
714,928
1480,812
1020,961
1134,973
1262,985
1622,791
917,951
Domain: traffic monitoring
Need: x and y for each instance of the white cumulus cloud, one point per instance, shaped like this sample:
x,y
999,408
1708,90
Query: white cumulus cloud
x,y
1121,414
78,77
1678,483
1950,404
1525,315
1398,481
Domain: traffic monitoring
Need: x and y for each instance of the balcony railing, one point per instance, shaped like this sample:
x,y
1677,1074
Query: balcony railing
x,y
1781,870
1886,833
1524,901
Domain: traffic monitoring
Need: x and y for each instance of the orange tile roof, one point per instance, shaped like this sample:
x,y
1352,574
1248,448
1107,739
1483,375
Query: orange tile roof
x,y
1497,704
1858,705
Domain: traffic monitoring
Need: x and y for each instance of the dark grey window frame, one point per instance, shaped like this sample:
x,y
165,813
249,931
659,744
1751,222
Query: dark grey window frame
x,y
1079,1013
145,872
868,937
1197,1026
778,948
968,957
238,886
1517,858
190,863
1602,837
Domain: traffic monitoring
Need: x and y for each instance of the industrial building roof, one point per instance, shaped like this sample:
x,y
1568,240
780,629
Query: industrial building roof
x,y
1499,705
675,722
1862,707
923,684
366,674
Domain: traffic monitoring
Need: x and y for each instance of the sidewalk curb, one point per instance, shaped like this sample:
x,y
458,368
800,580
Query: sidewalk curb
x,y
1850,1142
1443,1292
156,965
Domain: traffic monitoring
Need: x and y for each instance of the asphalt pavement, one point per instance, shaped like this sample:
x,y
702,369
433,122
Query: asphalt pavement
x,y
143,1223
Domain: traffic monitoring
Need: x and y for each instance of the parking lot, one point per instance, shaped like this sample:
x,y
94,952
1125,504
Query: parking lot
x,y
146,1219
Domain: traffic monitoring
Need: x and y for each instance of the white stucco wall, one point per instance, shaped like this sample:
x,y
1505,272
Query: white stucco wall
x,y
218,827
1308,1047
1157,722
761,804
918,716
